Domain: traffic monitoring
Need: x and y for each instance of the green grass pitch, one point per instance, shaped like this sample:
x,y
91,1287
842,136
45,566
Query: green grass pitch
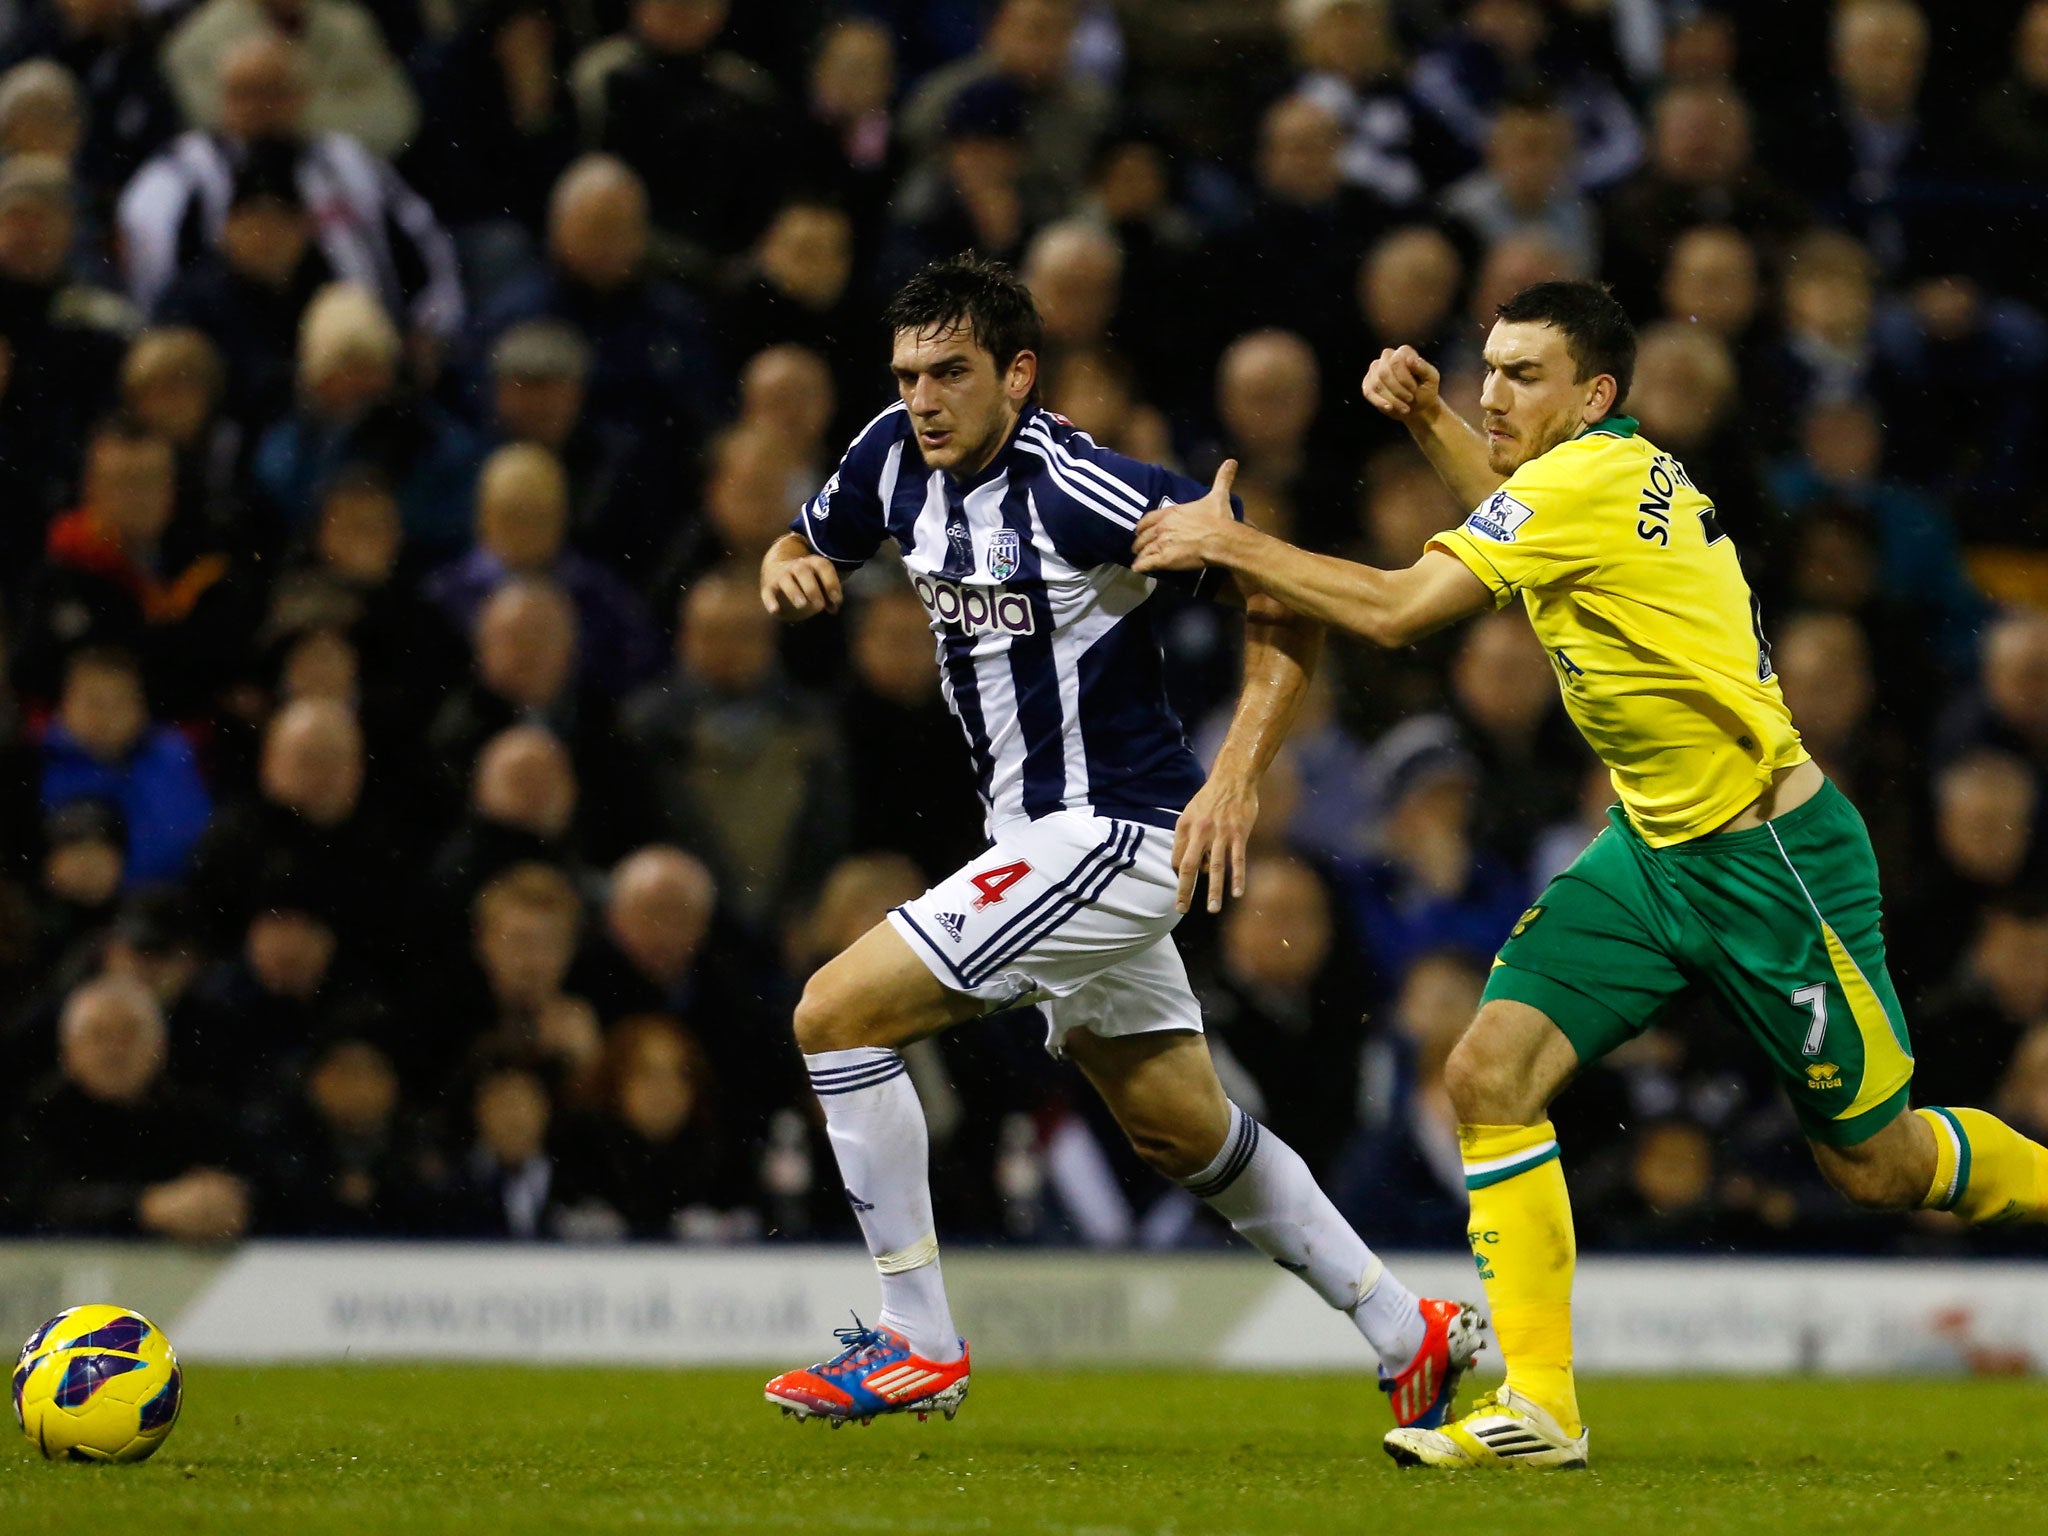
x,y
448,1449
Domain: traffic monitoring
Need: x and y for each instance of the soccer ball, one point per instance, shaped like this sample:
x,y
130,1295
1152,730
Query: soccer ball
x,y
97,1383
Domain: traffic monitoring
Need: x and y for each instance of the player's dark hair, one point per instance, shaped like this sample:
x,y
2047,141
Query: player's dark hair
x,y
1597,330
985,296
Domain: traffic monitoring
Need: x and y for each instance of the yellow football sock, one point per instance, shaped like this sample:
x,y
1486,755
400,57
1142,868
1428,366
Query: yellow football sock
x,y
1521,1235
1984,1170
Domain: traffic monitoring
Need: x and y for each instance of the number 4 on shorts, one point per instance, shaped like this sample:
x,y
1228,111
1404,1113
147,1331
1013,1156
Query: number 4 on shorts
x,y
993,882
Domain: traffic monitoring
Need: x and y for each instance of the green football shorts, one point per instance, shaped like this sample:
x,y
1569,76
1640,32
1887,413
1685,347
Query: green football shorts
x,y
1780,922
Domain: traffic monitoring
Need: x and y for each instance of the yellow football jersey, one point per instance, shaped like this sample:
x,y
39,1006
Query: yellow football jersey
x,y
1636,593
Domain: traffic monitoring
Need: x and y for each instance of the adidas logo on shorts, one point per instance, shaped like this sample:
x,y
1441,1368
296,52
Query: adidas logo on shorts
x,y
954,923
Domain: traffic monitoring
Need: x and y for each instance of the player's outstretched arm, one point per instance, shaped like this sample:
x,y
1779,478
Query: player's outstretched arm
x,y
797,582
1402,384
1389,608
1281,649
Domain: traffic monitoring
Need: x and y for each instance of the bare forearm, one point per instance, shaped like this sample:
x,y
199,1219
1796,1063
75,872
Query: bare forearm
x,y
1281,648
1341,594
1457,453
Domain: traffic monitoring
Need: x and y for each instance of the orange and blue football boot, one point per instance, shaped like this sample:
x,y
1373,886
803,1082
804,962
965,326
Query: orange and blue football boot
x,y
876,1372
1421,1396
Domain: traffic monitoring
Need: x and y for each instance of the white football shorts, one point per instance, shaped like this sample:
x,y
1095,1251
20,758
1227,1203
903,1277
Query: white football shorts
x,y
1072,912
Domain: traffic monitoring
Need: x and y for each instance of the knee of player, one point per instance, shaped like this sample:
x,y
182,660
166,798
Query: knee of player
x,y
1169,1150
828,1018
1483,1089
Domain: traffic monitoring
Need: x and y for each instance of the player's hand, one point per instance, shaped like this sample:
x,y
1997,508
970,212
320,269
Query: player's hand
x,y
1179,538
1212,835
797,584
1402,384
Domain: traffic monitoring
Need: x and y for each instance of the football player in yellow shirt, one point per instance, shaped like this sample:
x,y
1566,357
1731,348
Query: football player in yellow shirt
x,y
1731,863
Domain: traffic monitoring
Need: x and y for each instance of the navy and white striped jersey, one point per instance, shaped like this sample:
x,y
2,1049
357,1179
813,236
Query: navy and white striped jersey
x,y
1047,647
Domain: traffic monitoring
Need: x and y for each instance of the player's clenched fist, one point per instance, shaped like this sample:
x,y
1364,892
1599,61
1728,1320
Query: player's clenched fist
x,y
1402,384
797,584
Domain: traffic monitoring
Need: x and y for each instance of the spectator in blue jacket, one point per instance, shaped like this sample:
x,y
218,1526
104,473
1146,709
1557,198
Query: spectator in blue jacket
x,y
103,746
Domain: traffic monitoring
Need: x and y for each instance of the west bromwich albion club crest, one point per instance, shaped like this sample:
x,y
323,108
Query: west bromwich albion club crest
x,y
1003,555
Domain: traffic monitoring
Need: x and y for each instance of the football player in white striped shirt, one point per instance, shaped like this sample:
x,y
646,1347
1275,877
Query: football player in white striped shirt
x,y
1017,532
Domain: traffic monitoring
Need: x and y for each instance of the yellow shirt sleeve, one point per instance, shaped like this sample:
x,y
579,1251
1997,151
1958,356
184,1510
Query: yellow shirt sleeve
x,y
1532,532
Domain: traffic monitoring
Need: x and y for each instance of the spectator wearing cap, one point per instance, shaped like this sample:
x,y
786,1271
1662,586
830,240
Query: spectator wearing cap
x,y
653,376
109,48
249,291
970,194
353,408
114,1147
353,85
1061,115
522,525
115,572
622,485
702,127
373,228
500,127
102,746
1430,885
1352,65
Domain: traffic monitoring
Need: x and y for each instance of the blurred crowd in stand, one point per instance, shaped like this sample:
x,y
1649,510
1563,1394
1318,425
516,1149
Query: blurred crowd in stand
x,y
410,822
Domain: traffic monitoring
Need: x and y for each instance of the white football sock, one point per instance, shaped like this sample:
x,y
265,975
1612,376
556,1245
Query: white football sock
x,y
878,1135
1264,1190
